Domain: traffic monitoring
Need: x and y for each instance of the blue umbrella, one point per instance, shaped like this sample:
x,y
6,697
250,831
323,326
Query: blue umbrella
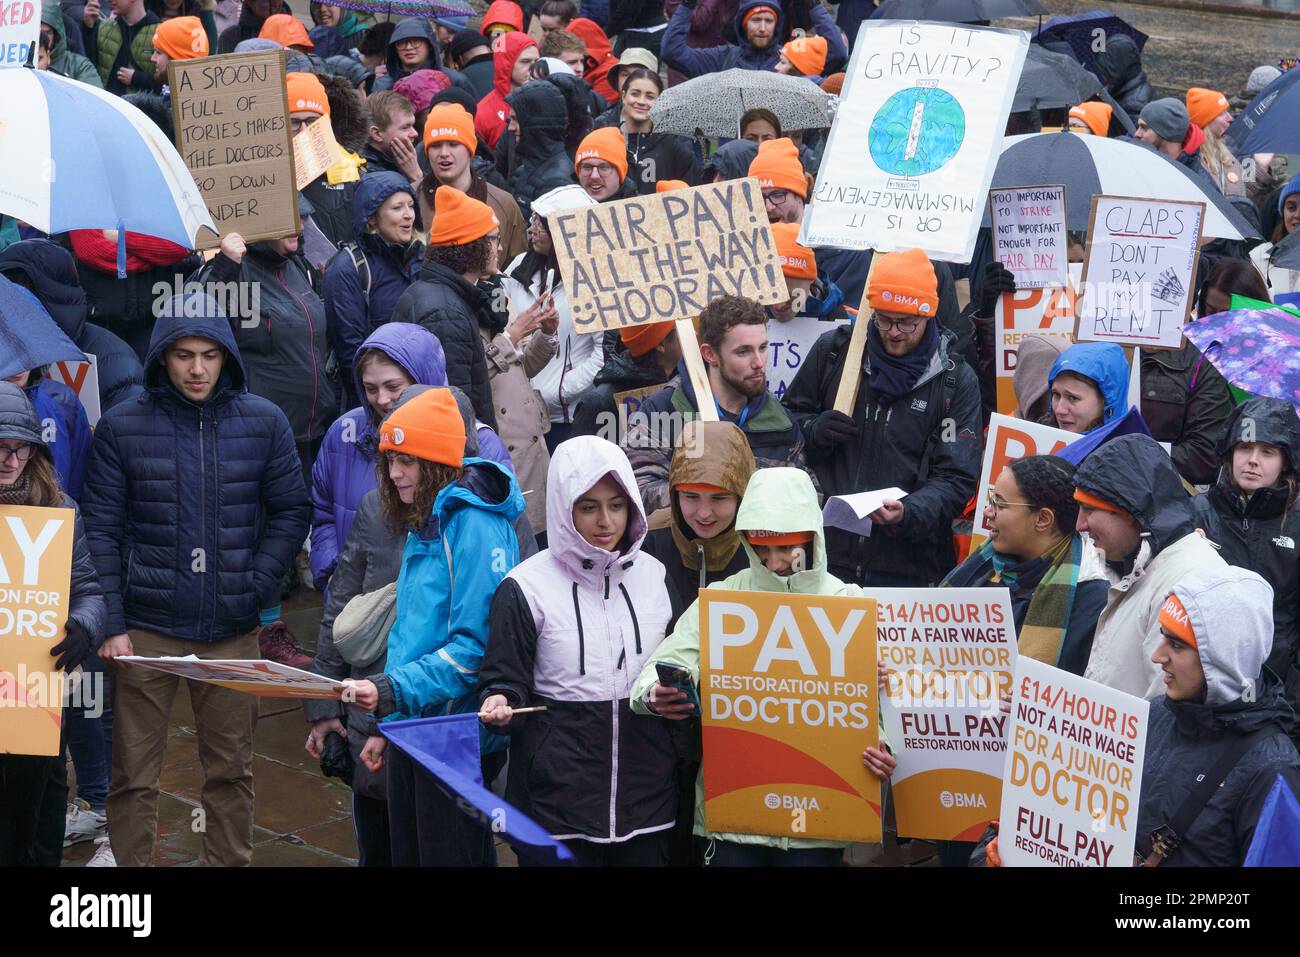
x,y
1079,32
29,338
1268,124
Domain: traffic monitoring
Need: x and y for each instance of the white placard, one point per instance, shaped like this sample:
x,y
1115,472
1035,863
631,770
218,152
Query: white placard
x,y
83,379
20,30
1010,439
1139,271
1029,236
917,135
788,345
1073,775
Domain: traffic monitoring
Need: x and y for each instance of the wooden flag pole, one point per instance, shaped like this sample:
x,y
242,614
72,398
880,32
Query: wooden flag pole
x,y
707,407
847,394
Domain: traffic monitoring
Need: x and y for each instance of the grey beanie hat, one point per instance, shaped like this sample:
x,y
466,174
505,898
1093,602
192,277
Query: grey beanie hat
x,y
18,420
1168,117
1261,77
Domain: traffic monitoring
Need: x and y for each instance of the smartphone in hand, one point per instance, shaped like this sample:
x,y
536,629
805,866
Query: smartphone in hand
x,y
678,678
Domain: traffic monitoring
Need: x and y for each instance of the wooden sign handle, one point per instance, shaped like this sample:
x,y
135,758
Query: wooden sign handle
x,y
847,394
707,408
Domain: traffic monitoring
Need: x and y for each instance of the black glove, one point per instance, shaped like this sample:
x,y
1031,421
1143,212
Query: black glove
x,y
73,649
997,280
830,429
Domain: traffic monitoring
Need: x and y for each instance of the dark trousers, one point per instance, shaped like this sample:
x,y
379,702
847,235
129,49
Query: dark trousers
x,y
955,853
426,828
51,817
23,780
90,740
645,850
560,432
370,821
727,854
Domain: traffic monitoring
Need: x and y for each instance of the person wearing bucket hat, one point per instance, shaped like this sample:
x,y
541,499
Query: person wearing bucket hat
x,y
180,38
28,478
458,513
648,357
451,298
932,452
630,59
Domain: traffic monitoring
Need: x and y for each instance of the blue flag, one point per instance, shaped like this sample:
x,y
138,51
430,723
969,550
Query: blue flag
x,y
1130,423
448,748
1277,834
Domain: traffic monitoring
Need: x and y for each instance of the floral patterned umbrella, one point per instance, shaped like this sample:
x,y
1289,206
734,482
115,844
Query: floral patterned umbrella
x,y
1256,350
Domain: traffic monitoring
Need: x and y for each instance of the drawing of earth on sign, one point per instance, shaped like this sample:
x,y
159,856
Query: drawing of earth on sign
x,y
916,131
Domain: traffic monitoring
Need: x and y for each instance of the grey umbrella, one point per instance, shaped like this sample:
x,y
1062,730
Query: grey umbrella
x,y
714,103
1052,80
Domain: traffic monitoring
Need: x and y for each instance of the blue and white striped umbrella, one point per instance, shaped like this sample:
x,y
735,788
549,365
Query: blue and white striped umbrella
x,y
75,157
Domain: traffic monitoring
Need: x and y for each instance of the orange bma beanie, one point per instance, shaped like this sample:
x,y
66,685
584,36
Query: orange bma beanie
x,y
1204,106
459,219
1094,115
777,166
807,54
797,262
1092,501
306,94
606,144
450,122
755,537
1173,619
428,427
904,283
181,38
759,9
668,185
641,339
286,30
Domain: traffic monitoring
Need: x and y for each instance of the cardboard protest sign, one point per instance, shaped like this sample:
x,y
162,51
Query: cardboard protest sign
x,y
35,586
947,656
20,31
1073,773
788,344
314,151
789,703
1009,439
1139,271
1029,237
232,129
1049,313
83,379
916,138
666,256
266,679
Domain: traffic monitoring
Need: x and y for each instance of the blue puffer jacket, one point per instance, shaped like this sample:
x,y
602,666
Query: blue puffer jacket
x,y
697,61
344,470
450,571
50,272
69,439
193,512
351,315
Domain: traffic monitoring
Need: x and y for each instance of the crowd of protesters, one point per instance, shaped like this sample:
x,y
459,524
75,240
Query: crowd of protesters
x,y
418,416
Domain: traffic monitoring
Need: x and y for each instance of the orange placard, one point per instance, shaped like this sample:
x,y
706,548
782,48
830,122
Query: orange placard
x,y
789,702
35,574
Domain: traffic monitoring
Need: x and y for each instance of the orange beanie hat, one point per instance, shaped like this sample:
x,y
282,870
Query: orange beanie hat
x,y
1092,501
450,122
428,427
777,166
1173,618
904,283
606,144
1204,105
833,84
286,30
668,185
306,94
778,538
459,219
753,10
641,339
797,262
181,38
808,54
1094,115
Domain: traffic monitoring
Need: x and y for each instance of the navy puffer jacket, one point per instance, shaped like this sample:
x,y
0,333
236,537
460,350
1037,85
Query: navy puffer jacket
x,y
193,511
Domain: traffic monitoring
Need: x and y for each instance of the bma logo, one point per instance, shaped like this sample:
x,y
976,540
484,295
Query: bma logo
x,y
948,799
790,801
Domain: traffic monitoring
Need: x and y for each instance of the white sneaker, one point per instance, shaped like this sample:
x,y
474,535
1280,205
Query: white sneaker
x,y
83,824
103,854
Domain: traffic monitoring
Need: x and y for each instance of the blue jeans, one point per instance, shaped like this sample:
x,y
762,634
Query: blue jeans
x,y
90,740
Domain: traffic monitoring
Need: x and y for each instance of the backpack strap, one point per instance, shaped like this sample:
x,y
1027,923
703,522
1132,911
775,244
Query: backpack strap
x,y
362,267
1167,837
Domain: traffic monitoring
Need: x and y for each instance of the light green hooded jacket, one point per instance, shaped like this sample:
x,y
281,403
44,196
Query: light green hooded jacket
x,y
62,60
776,500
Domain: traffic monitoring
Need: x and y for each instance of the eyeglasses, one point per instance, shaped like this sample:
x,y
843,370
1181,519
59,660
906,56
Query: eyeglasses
x,y
992,502
905,326
776,197
595,169
20,452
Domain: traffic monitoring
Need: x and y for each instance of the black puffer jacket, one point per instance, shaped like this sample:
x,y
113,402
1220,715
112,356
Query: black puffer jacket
x,y
1261,532
453,309
1120,64
620,373
539,162
926,443
652,157
50,272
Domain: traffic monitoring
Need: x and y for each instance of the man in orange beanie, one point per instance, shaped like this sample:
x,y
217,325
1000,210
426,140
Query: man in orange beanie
x,y
810,294
918,412
782,179
803,56
649,358
1208,109
307,100
601,165
453,297
180,38
450,143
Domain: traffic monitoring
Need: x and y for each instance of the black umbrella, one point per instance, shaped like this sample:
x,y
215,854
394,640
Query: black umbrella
x,y
1080,32
1268,124
957,11
1052,80
1286,254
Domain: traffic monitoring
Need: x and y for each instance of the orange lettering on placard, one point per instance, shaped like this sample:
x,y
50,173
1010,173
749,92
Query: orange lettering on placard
x,y
73,382
1002,454
1062,303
